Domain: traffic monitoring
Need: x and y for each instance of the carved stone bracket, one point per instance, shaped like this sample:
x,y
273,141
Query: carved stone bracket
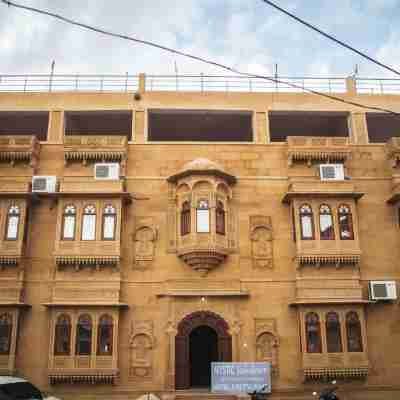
x,y
261,241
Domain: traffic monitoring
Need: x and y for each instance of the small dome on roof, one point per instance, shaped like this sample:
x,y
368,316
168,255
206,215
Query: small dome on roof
x,y
202,164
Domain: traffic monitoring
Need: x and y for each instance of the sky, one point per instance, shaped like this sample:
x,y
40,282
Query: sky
x,y
248,35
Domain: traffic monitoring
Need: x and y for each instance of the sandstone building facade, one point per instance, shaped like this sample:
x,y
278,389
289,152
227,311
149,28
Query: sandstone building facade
x,y
216,239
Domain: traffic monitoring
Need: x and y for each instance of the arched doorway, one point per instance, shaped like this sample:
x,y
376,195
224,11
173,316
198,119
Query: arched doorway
x,y
202,337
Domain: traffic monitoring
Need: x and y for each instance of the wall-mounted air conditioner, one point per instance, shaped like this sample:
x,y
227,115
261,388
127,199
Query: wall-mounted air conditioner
x,y
44,184
331,172
106,171
382,290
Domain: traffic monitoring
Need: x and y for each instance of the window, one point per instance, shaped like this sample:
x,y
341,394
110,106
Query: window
x,y
5,333
105,336
84,335
313,333
345,223
185,218
62,337
109,222
326,223
12,225
203,217
220,218
89,223
69,218
333,334
353,328
306,222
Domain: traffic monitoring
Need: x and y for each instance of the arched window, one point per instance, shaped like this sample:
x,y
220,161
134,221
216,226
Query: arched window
x,y
220,218
313,333
353,329
185,218
12,224
69,219
326,223
62,336
203,217
5,333
333,334
345,223
84,335
89,223
306,222
105,336
109,222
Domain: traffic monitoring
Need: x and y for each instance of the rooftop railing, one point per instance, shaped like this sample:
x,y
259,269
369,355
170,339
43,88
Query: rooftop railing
x,y
194,83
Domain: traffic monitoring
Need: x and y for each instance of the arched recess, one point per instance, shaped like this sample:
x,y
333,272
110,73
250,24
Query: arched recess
x,y
185,327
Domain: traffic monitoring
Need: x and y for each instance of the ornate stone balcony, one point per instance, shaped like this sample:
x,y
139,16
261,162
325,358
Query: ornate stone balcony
x,y
15,149
317,149
90,148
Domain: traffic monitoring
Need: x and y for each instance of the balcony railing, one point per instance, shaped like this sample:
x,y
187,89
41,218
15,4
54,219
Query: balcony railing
x,y
192,83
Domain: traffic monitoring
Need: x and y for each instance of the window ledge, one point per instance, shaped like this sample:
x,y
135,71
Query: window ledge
x,y
323,259
83,376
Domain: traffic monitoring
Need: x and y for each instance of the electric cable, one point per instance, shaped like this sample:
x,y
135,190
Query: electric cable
x,y
331,37
196,58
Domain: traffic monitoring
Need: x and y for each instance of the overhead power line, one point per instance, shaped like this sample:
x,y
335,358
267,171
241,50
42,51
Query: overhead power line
x,y
196,58
331,37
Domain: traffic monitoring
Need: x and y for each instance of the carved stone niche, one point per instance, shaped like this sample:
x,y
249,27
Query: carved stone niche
x,y
205,223
261,241
141,345
145,239
267,343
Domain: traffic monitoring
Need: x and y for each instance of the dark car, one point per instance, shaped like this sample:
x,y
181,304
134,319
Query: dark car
x,y
14,388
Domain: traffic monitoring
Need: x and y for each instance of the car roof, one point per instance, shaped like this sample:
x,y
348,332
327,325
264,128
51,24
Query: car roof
x,y
4,380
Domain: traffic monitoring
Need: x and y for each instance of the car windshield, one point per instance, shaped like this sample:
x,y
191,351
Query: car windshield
x,y
21,391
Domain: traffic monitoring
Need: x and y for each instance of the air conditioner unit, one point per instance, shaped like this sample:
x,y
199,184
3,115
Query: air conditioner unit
x,y
44,184
106,171
331,172
382,290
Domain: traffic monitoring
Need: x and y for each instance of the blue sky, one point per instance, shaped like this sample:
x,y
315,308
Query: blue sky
x,y
246,34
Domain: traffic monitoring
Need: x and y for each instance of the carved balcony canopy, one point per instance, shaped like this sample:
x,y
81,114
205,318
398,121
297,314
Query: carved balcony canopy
x,y
202,166
89,148
85,377
323,374
203,213
317,149
19,148
321,189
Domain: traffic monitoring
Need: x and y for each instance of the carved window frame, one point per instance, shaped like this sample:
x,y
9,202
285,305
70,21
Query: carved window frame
x,y
84,320
220,218
203,204
354,331
305,211
109,212
13,211
333,318
344,210
185,218
89,210
313,332
325,210
62,330
70,211
105,324
6,324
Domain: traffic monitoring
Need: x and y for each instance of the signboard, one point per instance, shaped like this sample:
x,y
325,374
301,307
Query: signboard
x,y
240,377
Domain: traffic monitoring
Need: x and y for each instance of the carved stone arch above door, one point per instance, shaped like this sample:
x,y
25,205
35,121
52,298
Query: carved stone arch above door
x,y
185,327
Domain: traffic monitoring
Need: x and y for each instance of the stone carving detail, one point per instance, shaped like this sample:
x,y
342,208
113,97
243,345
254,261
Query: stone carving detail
x,y
145,238
141,344
261,241
267,343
